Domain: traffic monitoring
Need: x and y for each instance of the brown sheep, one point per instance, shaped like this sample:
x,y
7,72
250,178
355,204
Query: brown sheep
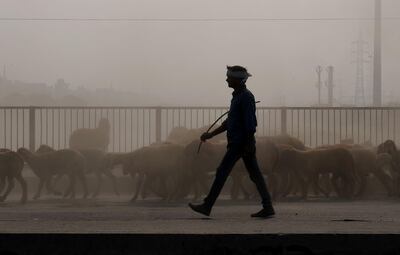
x,y
96,162
286,139
65,161
284,181
390,147
91,138
385,162
367,162
156,163
308,165
99,164
43,148
11,165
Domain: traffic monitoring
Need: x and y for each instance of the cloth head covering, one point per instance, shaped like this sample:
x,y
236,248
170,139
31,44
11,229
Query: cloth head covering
x,y
240,75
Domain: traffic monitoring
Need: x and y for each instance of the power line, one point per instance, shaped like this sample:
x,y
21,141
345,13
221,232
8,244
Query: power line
x,y
12,19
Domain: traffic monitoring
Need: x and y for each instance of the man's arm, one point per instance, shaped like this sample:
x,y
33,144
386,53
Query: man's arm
x,y
217,131
250,119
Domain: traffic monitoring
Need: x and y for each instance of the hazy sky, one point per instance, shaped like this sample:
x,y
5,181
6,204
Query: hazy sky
x,y
184,62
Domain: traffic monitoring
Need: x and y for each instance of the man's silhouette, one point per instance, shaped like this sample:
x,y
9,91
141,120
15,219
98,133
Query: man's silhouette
x,y
240,126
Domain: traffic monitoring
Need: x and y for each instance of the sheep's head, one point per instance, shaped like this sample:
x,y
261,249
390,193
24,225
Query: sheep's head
x,y
23,152
44,149
389,146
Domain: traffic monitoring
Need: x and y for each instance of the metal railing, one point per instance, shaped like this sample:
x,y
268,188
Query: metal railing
x,y
134,127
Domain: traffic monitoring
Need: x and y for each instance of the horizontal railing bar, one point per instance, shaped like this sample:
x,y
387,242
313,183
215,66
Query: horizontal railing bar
x,y
204,107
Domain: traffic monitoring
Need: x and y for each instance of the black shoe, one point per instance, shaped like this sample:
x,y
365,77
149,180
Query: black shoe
x,y
266,212
201,208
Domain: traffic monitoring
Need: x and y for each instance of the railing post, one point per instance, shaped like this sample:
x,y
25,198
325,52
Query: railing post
x,y
283,121
158,124
32,122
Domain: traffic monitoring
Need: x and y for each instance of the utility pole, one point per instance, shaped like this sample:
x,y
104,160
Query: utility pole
x,y
4,72
329,84
377,90
319,71
359,97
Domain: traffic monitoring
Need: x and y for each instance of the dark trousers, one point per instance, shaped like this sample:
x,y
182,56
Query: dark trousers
x,y
233,154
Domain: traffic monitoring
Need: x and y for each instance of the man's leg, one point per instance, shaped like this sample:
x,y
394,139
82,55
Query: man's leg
x,y
224,169
250,161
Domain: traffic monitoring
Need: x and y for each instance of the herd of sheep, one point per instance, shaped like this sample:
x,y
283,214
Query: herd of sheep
x,y
174,170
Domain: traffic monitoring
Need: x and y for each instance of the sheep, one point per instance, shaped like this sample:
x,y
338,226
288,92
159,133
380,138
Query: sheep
x,y
184,136
87,138
64,161
159,162
367,162
285,139
389,147
96,162
307,165
43,148
11,165
281,179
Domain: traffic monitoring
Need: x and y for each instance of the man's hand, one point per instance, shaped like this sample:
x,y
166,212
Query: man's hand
x,y
205,136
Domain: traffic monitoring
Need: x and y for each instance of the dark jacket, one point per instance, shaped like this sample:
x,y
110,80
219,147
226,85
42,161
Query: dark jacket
x,y
242,121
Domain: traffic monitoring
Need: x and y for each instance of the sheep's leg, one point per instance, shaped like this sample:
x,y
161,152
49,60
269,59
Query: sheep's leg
x,y
317,186
139,183
99,182
24,188
361,189
154,184
10,186
40,187
314,180
272,181
82,179
326,180
303,185
286,184
204,186
177,192
163,188
196,190
113,179
350,185
57,179
70,191
48,186
51,189
385,180
337,188
197,186
396,184
145,187
2,183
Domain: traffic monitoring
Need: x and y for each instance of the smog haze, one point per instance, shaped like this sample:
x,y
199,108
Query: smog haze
x,y
175,52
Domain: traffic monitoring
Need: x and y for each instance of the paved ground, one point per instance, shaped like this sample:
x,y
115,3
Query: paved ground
x,y
110,215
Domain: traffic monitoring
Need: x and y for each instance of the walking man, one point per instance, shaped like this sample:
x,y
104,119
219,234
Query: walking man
x,y
240,126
